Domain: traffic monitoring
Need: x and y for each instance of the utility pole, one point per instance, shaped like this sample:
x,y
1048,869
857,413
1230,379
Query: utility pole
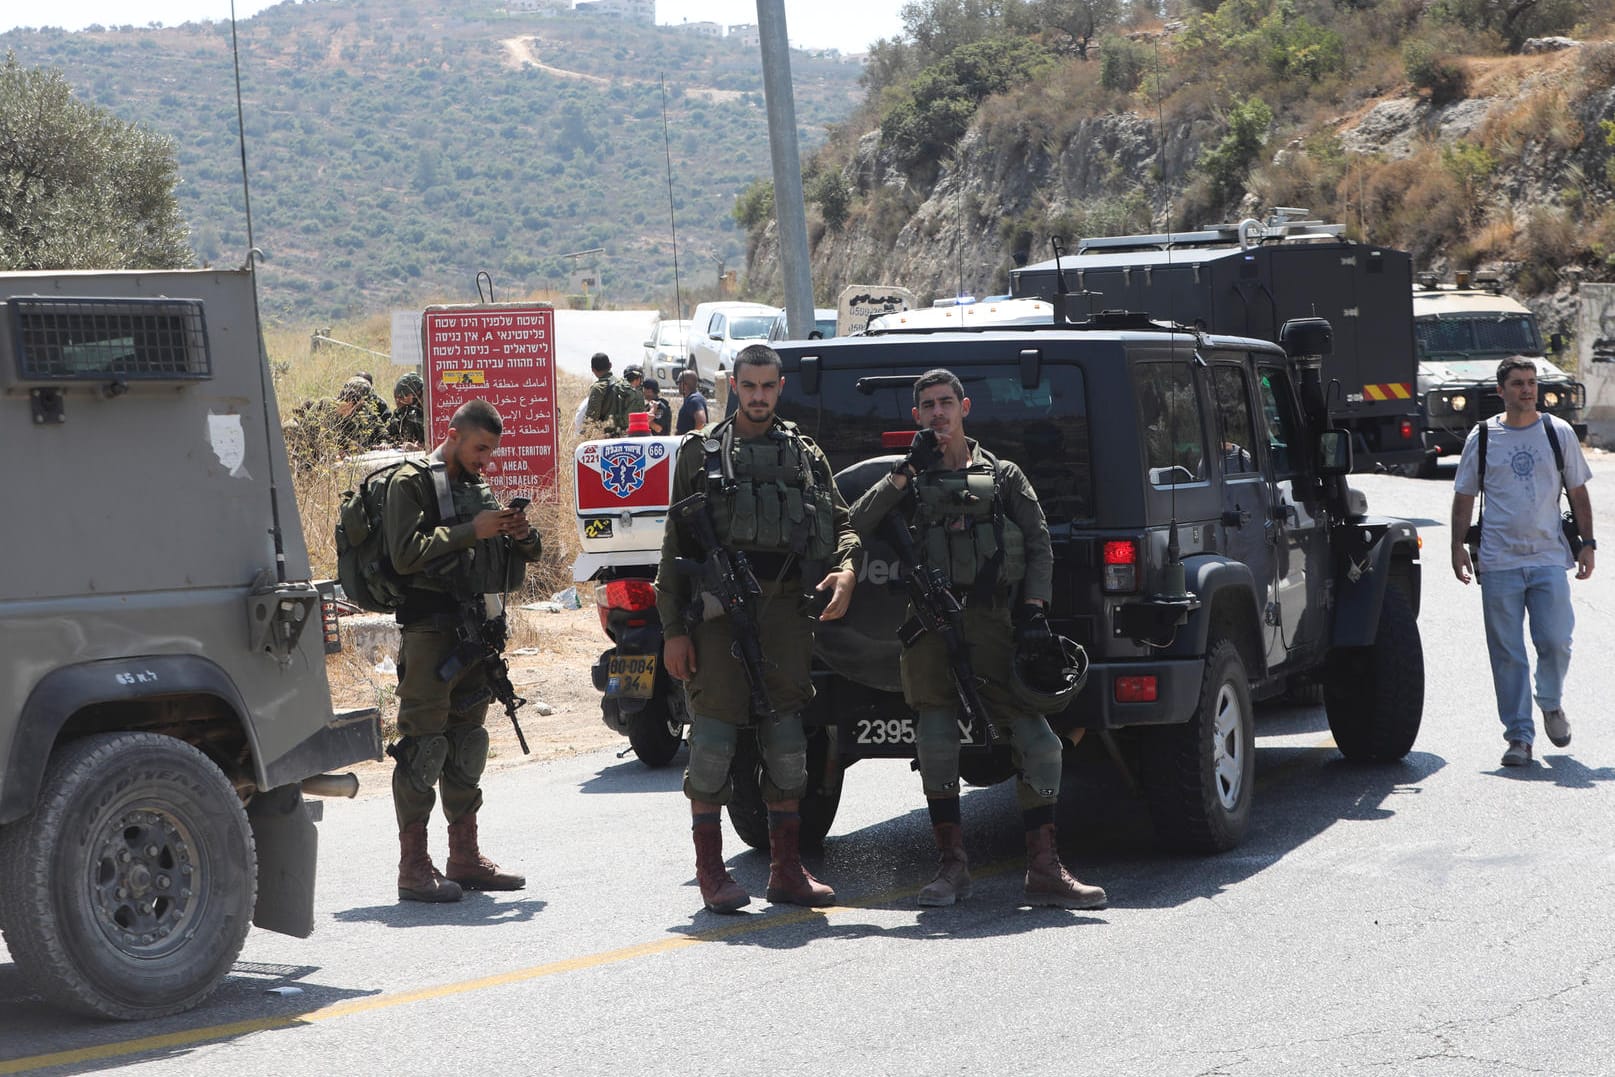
x,y
789,214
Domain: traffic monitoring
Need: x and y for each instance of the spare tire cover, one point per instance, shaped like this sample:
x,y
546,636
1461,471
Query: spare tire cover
x,y
863,645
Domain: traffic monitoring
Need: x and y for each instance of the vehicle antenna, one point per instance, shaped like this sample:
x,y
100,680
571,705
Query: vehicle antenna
x,y
959,213
672,220
1174,583
253,257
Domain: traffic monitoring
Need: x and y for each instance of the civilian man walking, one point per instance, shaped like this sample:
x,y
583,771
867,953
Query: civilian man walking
x,y
1523,553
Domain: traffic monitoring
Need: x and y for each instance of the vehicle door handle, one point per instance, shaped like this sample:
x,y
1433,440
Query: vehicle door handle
x,y
1235,517
1284,512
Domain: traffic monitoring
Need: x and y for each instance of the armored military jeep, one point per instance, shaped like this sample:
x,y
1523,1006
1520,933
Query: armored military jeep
x,y
163,696
1207,550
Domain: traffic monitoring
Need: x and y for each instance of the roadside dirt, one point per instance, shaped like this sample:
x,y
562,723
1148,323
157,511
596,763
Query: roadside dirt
x,y
550,655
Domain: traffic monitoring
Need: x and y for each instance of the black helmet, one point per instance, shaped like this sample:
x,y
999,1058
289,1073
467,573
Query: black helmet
x,y
1046,680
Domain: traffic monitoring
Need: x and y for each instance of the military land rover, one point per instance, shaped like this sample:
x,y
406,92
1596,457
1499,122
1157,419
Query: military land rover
x,y
1208,551
163,695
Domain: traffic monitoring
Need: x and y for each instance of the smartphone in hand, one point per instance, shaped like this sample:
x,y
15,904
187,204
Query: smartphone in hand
x,y
518,504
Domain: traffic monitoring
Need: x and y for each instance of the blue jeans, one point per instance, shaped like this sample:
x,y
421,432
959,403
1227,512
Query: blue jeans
x,y
1506,597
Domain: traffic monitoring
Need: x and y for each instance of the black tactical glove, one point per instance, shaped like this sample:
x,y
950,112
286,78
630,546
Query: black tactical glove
x,y
923,451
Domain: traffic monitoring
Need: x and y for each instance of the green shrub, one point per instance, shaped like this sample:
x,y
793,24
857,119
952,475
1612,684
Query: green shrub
x,y
754,207
1227,163
1121,64
1433,70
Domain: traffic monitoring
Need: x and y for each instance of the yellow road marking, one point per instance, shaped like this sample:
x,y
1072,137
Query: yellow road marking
x,y
758,922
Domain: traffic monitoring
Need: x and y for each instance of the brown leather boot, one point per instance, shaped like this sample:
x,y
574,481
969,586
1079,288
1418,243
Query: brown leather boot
x,y
468,867
952,882
719,891
1047,881
418,880
788,881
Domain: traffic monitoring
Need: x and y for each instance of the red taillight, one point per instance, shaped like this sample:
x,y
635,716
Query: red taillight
x,y
896,439
1120,558
632,595
1407,429
1136,689
1121,552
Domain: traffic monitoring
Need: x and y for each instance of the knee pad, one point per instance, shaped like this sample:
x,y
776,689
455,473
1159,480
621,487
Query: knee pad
x,y
421,760
784,746
936,741
712,748
1039,749
467,755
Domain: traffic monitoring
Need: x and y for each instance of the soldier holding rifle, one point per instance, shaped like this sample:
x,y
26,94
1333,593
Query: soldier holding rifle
x,y
756,521
976,520
460,551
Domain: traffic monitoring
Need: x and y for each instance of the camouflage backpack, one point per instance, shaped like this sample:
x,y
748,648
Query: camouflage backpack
x,y
363,566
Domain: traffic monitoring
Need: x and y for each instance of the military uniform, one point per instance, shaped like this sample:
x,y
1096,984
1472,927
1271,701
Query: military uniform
x,y
777,502
444,744
608,403
983,527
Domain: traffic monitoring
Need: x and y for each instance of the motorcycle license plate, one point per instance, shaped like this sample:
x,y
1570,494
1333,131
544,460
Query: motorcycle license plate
x,y
631,675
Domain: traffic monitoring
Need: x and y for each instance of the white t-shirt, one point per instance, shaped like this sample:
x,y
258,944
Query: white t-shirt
x,y
1520,526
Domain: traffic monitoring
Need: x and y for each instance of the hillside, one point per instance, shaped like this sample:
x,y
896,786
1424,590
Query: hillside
x,y
398,147
1425,128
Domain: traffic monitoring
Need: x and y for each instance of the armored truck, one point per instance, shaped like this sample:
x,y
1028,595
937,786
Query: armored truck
x,y
1248,279
1208,552
163,696
1462,329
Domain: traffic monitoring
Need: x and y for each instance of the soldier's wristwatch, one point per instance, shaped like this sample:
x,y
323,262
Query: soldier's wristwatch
x,y
1591,544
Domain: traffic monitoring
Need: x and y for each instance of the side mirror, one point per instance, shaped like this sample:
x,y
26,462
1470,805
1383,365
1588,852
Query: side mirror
x,y
649,344
1307,337
1334,452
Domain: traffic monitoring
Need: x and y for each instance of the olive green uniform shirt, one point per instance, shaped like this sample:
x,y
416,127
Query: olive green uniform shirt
x,y
1020,505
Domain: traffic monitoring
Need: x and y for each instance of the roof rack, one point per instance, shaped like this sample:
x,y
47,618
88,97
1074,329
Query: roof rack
x,y
1284,223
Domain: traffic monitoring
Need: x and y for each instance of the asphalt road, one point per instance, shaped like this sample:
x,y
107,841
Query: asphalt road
x,y
1436,916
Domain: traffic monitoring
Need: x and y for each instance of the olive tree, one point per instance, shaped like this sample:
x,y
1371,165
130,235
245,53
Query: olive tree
x,y
80,188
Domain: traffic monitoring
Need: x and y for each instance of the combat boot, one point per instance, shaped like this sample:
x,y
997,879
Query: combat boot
x,y
788,881
468,867
952,882
418,880
1047,880
719,891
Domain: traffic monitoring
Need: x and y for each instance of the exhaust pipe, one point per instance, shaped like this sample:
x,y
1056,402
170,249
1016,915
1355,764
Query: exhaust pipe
x,y
332,785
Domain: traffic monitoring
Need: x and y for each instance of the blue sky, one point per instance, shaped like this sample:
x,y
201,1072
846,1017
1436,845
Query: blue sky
x,y
849,25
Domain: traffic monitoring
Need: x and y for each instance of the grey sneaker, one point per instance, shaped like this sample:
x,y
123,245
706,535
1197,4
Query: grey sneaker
x,y
1557,726
1518,754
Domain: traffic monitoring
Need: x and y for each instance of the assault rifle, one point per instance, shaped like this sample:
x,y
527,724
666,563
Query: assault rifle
x,y
482,639
937,609
725,574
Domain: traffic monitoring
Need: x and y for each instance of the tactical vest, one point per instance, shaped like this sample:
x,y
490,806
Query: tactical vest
x,y
766,496
489,567
962,527
492,568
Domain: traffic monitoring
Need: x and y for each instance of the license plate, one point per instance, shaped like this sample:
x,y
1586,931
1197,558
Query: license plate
x,y
631,675
899,731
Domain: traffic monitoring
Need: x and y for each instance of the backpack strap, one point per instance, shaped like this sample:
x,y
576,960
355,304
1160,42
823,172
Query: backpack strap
x,y
1558,454
981,592
1480,517
438,469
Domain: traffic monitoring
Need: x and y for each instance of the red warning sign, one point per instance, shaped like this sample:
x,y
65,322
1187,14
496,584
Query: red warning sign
x,y
503,353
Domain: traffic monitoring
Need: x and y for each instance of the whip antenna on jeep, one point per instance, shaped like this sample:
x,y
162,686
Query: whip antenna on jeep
x,y
253,255
672,217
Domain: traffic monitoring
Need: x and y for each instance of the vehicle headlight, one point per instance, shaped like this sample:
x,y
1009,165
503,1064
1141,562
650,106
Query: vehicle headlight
x,y
1458,402
1550,399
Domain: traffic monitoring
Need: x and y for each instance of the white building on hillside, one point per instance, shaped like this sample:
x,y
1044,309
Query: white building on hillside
x,y
704,29
630,10
746,33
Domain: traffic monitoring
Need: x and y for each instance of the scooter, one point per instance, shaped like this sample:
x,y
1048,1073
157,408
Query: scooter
x,y
638,696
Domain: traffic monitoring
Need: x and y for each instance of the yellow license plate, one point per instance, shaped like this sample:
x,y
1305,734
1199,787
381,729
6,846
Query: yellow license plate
x,y
631,675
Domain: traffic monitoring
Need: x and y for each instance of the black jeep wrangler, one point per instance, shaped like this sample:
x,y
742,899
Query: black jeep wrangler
x,y
1208,552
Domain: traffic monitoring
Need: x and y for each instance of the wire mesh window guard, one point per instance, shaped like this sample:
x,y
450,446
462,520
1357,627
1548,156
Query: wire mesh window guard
x,y
92,339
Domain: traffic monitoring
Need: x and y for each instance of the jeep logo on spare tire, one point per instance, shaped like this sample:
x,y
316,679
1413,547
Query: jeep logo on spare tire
x,y
879,571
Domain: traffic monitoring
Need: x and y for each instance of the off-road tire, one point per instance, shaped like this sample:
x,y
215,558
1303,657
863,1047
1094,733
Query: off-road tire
x,y
657,731
1199,776
748,813
1374,695
126,817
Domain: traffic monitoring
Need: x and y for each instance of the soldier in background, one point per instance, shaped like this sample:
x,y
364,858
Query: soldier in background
x,y
358,424
408,424
610,398
661,415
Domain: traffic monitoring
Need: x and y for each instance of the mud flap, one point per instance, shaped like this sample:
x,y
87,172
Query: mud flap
x,y
288,848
